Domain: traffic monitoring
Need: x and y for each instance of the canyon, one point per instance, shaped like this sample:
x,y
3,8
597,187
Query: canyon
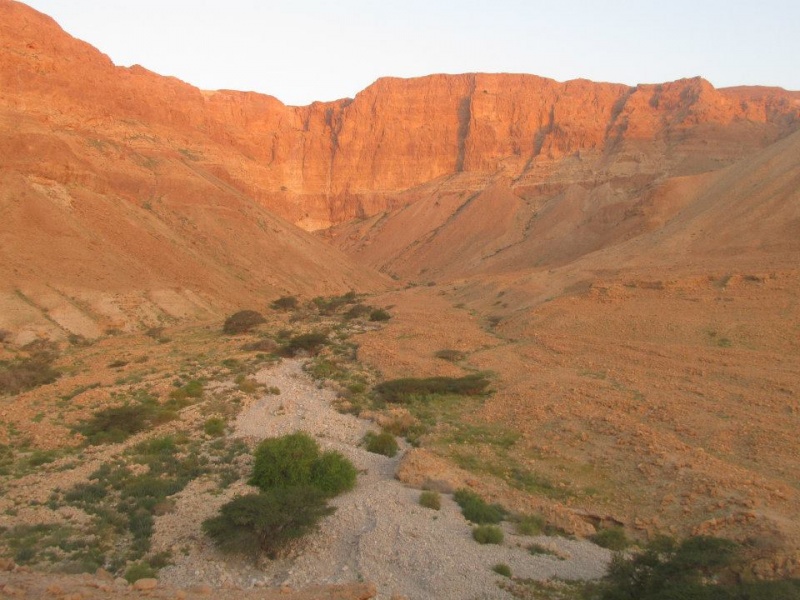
x,y
624,259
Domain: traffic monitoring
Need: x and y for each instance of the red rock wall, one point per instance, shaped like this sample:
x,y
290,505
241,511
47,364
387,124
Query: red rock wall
x,y
329,162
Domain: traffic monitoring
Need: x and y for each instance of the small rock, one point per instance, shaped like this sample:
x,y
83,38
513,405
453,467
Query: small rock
x,y
121,582
148,583
54,589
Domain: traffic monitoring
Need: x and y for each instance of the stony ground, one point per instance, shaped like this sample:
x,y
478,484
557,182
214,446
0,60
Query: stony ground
x,y
379,532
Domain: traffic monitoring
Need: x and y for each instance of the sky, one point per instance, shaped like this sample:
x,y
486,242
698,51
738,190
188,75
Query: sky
x,y
306,50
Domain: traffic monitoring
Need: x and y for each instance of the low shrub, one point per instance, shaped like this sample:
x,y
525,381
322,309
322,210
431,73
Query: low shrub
x,y
538,549
379,314
401,390
310,343
430,499
612,538
381,443
115,424
530,525
193,389
285,303
502,569
476,509
358,311
329,305
242,322
27,373
267,521
450,355
139,571
215,427
487,534
248,385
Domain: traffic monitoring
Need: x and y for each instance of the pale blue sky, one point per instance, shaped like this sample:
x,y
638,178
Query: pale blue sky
x,y
307,50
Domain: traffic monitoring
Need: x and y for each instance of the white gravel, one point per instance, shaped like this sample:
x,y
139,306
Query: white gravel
x,y
379,532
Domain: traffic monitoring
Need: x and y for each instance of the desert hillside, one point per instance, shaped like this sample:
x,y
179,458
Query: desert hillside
x,y
618,266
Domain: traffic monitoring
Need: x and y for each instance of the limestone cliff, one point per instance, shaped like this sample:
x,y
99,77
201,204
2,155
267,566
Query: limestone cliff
x,y
329,162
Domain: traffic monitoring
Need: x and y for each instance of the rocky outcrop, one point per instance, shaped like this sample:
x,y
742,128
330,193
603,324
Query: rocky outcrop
x,y
330,162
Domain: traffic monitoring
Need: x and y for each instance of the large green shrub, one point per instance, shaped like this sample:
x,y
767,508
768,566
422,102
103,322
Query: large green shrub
x,y
401,390
284,461
242,322
267,521
295,460
670,571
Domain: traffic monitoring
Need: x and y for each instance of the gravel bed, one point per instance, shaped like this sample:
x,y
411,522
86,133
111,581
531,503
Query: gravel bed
x,y
379,531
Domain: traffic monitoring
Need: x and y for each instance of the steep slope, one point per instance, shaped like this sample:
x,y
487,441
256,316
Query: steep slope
x,y
109,220
96,236
330,162
743,212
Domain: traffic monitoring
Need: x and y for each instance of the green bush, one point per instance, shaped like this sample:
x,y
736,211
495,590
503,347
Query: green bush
x,y
242,322
285,303
294,460
306,342
381,443
401,390
139,571
357,311
502,569
379,314
86,493
487,534
328,306
666,570
476,509
215,427
612,538
284,461
530,525
194,389
115,424
430,499
333,474
266,521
